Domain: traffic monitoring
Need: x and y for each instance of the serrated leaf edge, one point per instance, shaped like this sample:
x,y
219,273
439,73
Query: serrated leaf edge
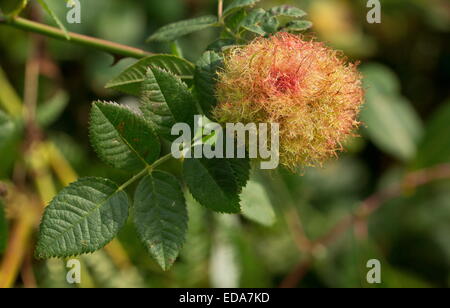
x,y
42,256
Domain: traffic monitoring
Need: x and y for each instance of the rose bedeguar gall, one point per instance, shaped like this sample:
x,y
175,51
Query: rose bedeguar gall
x,y
312,91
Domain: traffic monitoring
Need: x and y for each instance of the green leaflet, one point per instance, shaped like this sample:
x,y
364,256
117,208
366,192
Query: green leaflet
x,y
256,204
166,100
254,21
270,24
238,4
3,228
205,80
83,217
130,81
287,11
434,149
213,184
234,21
260,22
298,26
241,171
122,138
176,30
382,78
391,121
161,216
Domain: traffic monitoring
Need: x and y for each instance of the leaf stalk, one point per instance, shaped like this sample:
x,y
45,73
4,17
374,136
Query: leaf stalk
x,y
146,170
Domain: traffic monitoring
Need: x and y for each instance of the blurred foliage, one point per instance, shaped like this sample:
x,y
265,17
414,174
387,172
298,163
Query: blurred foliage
x,y
406,64
3,228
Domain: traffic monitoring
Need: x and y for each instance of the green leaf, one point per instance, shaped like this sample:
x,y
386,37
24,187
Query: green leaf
x,y
241,171
298,26
391,121
213,184
13,8
166,100
3,228
49,112
256,204
83,217
287,11
270,24
233,22
254,21
161,216
382,78
435,149
130,81
238,4
121,138
260,22
50,12
176,30
205,80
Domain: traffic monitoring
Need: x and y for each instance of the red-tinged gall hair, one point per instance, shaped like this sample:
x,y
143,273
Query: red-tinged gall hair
x,y
309,89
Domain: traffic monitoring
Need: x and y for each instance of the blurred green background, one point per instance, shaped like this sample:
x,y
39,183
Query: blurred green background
x,y
406,64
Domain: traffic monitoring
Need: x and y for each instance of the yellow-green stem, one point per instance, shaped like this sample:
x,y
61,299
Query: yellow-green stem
x,y
15,254
99,44
220,9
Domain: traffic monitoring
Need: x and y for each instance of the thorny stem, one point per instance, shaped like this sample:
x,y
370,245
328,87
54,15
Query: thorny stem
x,y
367,207
100,44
